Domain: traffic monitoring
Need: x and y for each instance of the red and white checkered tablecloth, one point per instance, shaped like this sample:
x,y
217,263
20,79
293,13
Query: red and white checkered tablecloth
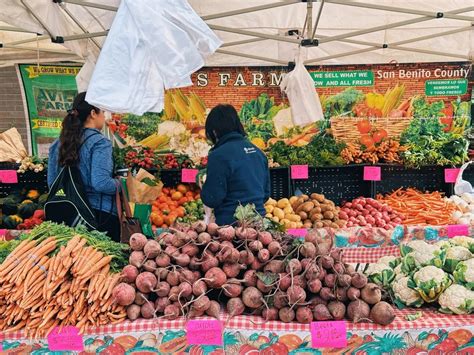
x,y
430,320
368,255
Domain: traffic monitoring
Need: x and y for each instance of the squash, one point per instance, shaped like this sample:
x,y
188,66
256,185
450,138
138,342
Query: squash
x,y
33,194
43,198
26,210
11,222
24,202
9,206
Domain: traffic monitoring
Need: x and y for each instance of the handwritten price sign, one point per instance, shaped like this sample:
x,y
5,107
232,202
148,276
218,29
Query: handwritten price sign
x,y
329,334
189,175
68,339
457,230
8,177
299,232
450,175
299,172
372,173
204,332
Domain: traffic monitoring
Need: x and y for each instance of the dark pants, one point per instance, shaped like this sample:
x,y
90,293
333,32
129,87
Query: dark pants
x,y
108,223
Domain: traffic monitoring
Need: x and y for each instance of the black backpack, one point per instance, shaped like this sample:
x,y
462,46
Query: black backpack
x,y
67,201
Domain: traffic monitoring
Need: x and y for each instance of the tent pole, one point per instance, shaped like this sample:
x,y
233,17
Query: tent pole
x,y
253,34
318,17
250,9
14,29
31,12
84,35
388,26
265,59
92,4
72,17
245,41
30,40
402,10
309,16
34,49
420,50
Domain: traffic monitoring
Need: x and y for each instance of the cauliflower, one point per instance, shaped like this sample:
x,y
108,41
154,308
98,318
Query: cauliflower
x,y
430,255
464,273
389,260
399,272
404,295
466,242
444,244
457,299
380,274
454,255
430,281
171,128
418,245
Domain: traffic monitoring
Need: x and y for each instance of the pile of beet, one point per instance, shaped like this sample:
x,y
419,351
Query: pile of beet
x,y
192,271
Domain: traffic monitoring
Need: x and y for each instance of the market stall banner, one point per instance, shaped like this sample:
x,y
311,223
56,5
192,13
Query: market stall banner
x,y
49,91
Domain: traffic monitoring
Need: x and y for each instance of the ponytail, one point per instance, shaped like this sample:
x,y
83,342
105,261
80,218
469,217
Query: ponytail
x,y
70,139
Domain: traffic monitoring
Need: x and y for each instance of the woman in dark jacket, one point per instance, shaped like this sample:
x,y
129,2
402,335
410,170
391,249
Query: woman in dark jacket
x,y
81,144
237,171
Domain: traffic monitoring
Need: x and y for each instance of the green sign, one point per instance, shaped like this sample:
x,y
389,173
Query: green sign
x,y
327,79
446,87
49,92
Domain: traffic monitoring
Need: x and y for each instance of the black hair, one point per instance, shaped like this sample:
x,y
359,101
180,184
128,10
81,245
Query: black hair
x,y
70,138
223,119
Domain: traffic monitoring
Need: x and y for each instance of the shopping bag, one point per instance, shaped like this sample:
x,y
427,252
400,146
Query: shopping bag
x,y
142,213
143,188
463,186
128,224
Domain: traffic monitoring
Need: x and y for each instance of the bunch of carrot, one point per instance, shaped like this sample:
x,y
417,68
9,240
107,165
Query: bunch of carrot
x,y
421,208
44,285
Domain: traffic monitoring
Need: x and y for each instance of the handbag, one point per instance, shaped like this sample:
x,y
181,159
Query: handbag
x,y
128,224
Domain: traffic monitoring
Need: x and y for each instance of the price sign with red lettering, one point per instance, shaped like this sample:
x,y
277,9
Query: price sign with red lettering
x,y
331,334
204,332
299,172
8,177
450,175
189,175
372,173
66,339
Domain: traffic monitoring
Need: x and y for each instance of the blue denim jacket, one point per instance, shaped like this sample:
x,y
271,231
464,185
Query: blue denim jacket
x,y
96,165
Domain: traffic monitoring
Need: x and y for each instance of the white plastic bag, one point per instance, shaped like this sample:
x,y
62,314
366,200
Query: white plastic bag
x,y
304,100
462,186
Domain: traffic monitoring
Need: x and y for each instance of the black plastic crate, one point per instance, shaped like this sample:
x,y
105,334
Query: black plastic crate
x,y
280,183
28,180
171,177
428,178
338,184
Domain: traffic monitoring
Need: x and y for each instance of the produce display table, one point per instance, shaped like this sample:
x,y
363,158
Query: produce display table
x,y
249,335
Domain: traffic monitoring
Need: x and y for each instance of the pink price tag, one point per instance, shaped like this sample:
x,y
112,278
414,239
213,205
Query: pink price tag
x,y
3,232
450,175
8,177
189,175
372,173
204,332
68,339
300,232
329,334
299,172
457,230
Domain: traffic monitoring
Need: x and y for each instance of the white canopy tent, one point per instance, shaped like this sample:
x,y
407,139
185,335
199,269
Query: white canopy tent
x,y
258,32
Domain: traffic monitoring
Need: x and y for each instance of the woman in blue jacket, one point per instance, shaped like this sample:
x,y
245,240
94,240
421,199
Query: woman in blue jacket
x,y
81,143
237,171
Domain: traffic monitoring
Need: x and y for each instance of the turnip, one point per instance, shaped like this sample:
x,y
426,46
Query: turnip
x,y
359,280
308,250
199,288
146,282
250,278
274,248
212,229
353,293
147,310
133,312
232,290
171,312
190,250
255,246
294,267
173,278
140,298
214,309
163,260
123,294
162,289
286,314
358,311
265,237
263,255
182,260
321,313
149,266
314,285
344,280
151,249
215,277
382,313
136,258
137,241
304,315
274,266
129,273
199,226
371,293
161,304
204,238
235,307
337,309
296,295
225,233
270,314
252,298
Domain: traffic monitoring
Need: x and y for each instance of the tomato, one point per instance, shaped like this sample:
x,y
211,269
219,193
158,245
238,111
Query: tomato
x,y
378,137
364,126
176,196
182,201
156,219
182,188
366,140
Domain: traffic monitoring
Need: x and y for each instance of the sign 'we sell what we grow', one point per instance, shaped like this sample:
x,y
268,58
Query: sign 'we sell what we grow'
x,y
343,78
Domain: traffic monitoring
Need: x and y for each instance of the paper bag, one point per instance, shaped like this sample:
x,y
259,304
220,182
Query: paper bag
x,y
140,192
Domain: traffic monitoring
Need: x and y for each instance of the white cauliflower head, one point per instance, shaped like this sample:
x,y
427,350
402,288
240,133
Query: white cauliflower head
x,y
454,255
428,273
457,299
430,255
413,245
380,274
405,296
376,268
389,260
399,272
464,273
466,242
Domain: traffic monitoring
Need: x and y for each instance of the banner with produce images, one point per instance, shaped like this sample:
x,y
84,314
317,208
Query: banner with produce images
x,y
49,91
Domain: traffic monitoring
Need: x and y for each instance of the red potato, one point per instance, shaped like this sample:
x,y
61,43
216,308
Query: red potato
x,y
171,312
190,250
246,257
226,233
137,258
133,312
212,229
204,238
252,298
270,314
304,315
140,298
371,293
280,300
215,277
275,266
214,309
263,255
199,288
296,295
146,282
337,310
162,289
286,314
358,311
152,249
235,307
163,260
274,248
123,294
382,313
129,273
137,241
147,310
161,304
149,266
265,237
321,313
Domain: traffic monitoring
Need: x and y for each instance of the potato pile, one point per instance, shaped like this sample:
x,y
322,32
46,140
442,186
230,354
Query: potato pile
x,y
281,212
316,211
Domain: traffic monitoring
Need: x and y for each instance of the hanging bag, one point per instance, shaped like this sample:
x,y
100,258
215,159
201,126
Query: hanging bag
x,y
463,186
128,224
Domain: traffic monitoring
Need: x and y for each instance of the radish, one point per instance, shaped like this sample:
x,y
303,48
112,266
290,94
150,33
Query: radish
x,y
146,282
129,273
152,249
137,241
212,229
123,294
215,277
136,258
